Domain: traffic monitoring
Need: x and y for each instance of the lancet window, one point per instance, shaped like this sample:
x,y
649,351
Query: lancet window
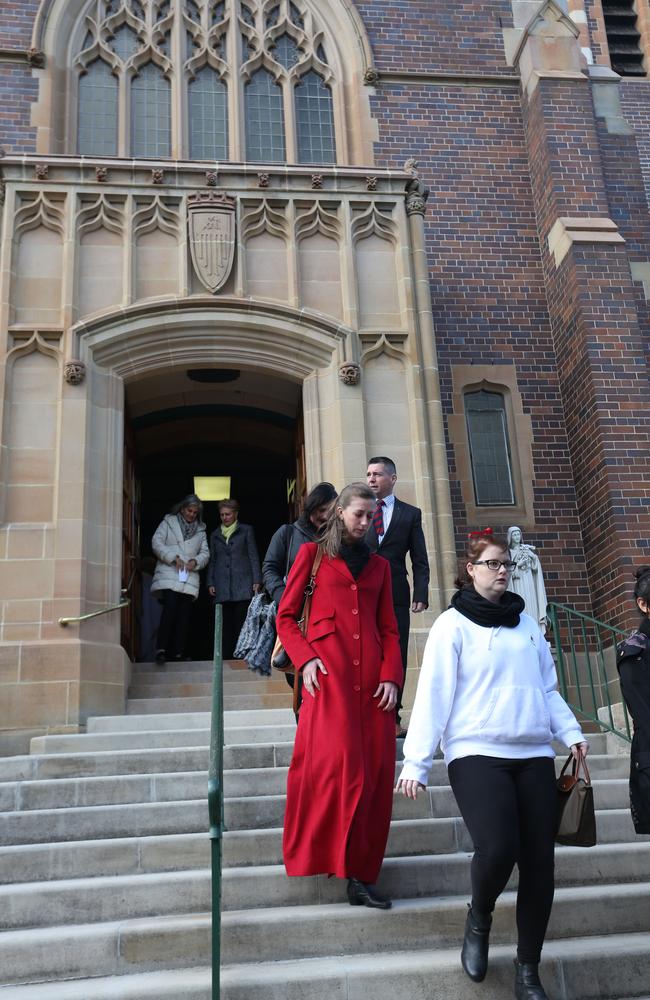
x,y
205,79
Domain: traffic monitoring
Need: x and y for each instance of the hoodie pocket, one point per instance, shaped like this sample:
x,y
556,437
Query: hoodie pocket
x,y
516,715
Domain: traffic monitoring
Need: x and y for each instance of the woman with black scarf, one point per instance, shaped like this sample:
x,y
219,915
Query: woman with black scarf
x,y
488,694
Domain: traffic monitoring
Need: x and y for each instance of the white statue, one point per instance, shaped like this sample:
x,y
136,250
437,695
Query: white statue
x,y
527,579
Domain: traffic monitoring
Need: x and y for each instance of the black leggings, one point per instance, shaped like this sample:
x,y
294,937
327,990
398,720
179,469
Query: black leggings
x,y
174,623
510,810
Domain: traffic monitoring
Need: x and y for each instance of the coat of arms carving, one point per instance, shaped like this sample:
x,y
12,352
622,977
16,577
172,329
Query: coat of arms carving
x,y
211,220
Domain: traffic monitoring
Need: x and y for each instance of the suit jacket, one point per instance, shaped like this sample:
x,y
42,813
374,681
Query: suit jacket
x,y
234,566
404,536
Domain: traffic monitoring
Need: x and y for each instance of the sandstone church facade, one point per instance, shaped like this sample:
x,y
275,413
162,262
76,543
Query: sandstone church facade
x,y
268,238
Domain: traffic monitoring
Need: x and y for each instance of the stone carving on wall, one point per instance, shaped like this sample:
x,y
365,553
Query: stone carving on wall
x,y
212,231
263,180
100,213
157,176
156,213
41,171
35,58
211,178
371,77
316,181
350,373
318,219
376,221
74,372
416,191
264,217
40,211
101,173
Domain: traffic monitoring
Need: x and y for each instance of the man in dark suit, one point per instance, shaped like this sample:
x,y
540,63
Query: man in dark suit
x,y
397,530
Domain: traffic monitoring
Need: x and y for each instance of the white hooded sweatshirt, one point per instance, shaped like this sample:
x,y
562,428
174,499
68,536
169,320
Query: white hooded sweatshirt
x,y
485,691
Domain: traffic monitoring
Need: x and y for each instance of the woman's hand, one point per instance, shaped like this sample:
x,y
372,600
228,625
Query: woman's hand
x,y
580,748
388,691
212,591
257,587
178,562
191,564
408,787
310,675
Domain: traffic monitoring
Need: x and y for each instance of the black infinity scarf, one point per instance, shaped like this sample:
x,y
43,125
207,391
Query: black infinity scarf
x,y
483,612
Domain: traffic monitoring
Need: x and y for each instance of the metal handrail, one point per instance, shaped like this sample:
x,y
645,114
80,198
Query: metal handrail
x,y
63,622
215,801
124,603
582,646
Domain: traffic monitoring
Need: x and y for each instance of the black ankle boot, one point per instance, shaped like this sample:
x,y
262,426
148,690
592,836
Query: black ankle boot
x,y
474,955
361,894
527,984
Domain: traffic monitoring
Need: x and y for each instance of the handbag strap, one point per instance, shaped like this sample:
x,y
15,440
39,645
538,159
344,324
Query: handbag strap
x,y
578,764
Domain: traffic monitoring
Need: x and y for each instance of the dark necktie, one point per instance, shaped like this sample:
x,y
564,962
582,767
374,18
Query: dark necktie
x,y
378,518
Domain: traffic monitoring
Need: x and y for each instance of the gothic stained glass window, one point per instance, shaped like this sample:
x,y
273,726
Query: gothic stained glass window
x,y
314,120
264,120
208,104
150,113
487,430
166,75
97,121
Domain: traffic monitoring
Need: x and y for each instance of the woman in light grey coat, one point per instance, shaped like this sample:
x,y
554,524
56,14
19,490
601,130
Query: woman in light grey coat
x,y
181,547
234,573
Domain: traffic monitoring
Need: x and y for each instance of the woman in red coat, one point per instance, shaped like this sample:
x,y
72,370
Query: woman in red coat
x,y
339,790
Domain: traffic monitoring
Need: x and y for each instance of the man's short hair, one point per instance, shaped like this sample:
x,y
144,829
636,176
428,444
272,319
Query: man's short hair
x,y
387,463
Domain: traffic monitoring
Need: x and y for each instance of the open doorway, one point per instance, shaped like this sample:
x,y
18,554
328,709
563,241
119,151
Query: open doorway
x,y
184,423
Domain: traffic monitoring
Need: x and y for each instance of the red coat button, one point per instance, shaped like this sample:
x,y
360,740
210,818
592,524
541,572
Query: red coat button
x,y
353,587
356,687
354,611
355,663
356,635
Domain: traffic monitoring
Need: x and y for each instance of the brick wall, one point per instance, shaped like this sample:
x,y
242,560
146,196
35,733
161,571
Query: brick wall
x,y
487,284
18,90
16,21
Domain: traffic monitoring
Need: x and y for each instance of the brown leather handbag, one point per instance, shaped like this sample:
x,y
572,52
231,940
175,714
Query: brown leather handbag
x,y
576,814
279,657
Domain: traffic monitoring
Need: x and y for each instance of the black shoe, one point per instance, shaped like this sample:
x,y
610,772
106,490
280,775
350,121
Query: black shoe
x,y
361,894
474,954
160,657
527,984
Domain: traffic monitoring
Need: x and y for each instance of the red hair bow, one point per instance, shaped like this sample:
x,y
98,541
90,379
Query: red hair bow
x,y
483,533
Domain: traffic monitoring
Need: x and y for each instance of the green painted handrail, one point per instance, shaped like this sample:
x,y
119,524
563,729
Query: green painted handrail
x,y
582,646
215,801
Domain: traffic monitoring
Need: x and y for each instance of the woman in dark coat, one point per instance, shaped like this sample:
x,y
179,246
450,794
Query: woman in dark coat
x,y
634,668
283,547
339,789
234,573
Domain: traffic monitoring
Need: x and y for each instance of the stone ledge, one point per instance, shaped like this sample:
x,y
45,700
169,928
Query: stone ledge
x,y
567,231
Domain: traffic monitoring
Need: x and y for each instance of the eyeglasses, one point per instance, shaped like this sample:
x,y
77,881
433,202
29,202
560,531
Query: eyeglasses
x,y
496,564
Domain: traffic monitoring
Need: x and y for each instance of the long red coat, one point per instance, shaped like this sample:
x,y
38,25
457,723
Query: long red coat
x,y
340,785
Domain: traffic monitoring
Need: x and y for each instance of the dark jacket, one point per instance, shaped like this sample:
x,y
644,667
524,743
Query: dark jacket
x,y
233,567
633,661
404,536
281,553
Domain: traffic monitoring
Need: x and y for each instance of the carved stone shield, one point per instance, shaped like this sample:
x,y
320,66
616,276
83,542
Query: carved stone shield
x,y
211,221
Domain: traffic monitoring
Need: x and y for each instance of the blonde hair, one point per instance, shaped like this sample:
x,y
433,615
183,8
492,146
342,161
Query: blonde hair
x,y
333,534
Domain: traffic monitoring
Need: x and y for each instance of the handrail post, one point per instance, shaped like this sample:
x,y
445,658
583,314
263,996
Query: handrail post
x,y
215,801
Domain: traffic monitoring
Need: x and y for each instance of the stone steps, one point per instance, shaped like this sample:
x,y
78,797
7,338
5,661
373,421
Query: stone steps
x,y
286,933
105,878
612,967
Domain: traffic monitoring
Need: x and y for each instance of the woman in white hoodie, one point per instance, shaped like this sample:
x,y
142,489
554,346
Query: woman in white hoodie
x,y
488,694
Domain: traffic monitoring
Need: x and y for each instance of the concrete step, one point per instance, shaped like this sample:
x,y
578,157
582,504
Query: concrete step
x,y
611,967
169,689
239,719
142,761
90,900
302,932
149,738
145,703
232,684
40,826
66,860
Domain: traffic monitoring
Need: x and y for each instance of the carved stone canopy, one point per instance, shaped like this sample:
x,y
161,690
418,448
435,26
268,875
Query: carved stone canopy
x,y
350,373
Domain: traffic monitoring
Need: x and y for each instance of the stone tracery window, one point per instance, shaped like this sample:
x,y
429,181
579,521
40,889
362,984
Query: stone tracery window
x,y
175,78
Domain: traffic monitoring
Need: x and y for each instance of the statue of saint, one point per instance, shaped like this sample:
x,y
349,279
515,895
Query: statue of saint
x,y
527,579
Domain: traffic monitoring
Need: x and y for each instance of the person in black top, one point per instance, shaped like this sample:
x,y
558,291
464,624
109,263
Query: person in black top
x,y
633,661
